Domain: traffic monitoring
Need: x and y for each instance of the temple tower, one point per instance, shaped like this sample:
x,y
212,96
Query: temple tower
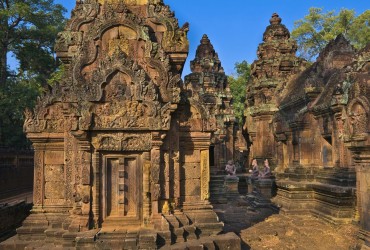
x,y
207,85
276,63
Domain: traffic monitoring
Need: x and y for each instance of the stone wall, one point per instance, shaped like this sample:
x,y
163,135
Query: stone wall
x,y
11,217
16,172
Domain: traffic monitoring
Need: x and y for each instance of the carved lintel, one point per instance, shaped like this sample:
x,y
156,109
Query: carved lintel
x,y
123,142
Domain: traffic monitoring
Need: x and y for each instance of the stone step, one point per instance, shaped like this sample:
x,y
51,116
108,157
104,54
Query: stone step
x,y
227,241
160,223
190,232
182,218
221,184
164,238
172,220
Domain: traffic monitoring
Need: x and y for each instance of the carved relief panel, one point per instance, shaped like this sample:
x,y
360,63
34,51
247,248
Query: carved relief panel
x,y
122,141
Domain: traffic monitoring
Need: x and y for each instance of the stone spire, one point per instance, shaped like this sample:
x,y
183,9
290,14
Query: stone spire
x,y
276,63
277,58
276,30
207,86
131,2
206,58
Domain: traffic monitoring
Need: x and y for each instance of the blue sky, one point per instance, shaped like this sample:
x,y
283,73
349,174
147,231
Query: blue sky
x,y
235,27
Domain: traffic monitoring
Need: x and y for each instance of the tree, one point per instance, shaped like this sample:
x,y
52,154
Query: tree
x,y
316,29
238,84
28,29
15,96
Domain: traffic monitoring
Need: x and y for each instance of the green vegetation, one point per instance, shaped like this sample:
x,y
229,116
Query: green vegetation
x,y
316,29
15,96
28,29
238,85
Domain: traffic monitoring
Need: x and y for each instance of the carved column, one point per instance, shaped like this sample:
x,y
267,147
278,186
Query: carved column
x,y
146,188
96,183
177,177
155,170
82,183
38,186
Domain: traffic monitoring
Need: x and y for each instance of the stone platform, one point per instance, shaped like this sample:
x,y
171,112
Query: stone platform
x,y
197,227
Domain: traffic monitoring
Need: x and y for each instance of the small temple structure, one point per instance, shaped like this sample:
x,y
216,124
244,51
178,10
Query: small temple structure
x,y
208,87
312,123
122,148
276,63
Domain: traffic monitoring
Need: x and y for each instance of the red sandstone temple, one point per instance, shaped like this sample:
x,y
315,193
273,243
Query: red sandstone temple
x,y
125,150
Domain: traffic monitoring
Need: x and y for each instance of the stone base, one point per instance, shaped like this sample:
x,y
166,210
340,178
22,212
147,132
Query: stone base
x,y
231,187
364,236
196,226
265,186
332,203
136,239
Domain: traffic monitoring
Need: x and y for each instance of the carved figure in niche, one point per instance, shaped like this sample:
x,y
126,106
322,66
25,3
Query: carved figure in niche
x,y
230,168
118,44
115,90
359,119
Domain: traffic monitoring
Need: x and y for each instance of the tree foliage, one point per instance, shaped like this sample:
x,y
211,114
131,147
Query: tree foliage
x,y
238,84
316,29
28,29
15,96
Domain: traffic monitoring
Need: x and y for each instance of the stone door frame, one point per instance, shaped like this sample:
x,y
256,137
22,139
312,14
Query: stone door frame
x,y
129,220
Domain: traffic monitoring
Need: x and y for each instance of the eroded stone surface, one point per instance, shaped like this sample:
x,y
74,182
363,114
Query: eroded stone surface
x,y
299,232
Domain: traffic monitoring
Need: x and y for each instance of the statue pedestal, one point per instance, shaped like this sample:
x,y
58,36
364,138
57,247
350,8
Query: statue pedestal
x,y
265,187
251,184
231,184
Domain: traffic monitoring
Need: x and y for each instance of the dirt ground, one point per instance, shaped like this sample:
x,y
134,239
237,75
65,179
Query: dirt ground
x,y
265,228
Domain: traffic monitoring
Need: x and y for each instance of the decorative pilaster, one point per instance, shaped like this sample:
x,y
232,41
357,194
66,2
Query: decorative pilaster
x,y
205,174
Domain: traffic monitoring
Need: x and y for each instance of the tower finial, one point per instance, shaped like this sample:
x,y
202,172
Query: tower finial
x,y
275,19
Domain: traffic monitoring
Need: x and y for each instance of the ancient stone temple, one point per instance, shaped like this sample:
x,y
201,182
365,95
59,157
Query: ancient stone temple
x,y
207,89
121,153
312,121
319,176
351,102
327,120
269,75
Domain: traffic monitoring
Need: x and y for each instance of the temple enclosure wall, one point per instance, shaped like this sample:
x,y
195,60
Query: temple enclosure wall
x,y
16,172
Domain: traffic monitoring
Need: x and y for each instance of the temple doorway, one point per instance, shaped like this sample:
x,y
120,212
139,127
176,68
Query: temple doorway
x,y
121,190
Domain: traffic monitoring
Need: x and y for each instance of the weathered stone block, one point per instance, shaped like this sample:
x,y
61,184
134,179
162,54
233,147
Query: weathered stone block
x,y
228,241
190,187
54,157
191,171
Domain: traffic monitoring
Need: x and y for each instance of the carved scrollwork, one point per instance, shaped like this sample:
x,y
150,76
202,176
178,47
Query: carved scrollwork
x,y
49,119
123,142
